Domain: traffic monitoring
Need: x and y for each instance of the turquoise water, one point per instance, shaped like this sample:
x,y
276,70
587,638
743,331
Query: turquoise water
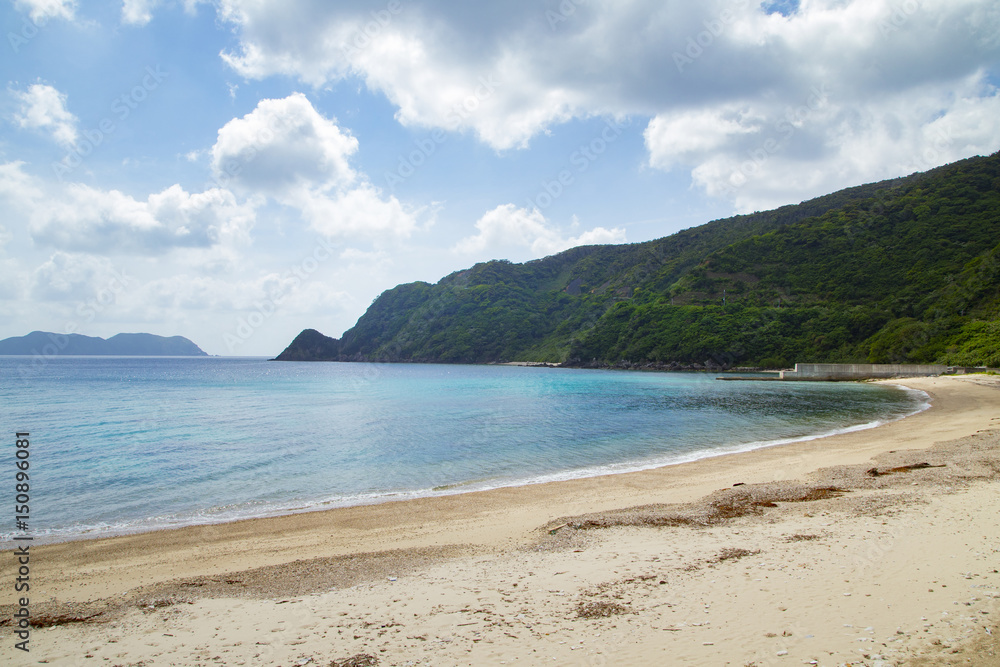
x,y
125,444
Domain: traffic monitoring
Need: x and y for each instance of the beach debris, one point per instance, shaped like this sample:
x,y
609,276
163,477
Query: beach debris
x,y
359,660
798,537
739,484
159,603
874,472
732,553
553,531
718,508
601,609
53,620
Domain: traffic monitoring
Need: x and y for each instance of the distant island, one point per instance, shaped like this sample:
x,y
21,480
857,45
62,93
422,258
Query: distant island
x,y
124,344
905,271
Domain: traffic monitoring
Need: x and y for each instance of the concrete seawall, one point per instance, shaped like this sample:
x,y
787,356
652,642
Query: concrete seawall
x,y
861,371
847,372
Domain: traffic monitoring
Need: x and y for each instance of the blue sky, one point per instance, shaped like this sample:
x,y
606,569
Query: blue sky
x,y
236,171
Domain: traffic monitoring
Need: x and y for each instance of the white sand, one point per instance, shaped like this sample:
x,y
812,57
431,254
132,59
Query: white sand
x,y
880,575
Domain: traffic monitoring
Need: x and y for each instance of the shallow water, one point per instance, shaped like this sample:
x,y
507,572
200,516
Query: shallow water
x,y
123,444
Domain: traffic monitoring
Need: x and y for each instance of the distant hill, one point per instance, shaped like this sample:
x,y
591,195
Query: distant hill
x,y
123,344
901,271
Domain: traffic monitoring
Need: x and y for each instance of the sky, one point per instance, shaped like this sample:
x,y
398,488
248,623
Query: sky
x,y
239,170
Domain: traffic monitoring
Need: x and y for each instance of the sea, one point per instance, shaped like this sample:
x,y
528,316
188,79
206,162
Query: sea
x,y
129,444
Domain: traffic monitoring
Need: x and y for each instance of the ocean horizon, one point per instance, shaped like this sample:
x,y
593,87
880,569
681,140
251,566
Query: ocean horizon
x,y
131,444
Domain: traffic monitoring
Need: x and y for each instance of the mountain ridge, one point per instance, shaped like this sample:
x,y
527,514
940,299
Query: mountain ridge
x,y
903,270
47,344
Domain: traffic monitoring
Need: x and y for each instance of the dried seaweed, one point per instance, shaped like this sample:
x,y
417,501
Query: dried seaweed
x,y
601,609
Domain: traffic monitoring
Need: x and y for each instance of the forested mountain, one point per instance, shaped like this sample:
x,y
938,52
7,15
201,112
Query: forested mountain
x,y
48,344
906,270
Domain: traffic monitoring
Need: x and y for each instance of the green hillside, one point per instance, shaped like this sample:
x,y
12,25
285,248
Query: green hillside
x,y
899,271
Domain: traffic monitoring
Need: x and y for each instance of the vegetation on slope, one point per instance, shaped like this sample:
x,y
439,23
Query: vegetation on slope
x,y
899,271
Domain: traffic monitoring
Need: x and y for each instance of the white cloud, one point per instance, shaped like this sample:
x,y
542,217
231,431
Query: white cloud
x,y
281,146
89,220
287,150
17,189
595,236
44,108
42,10
673,137
284,149
791,153
357,256
72,276
507,228
13,284
184,291
18,197
416,54
714,76
237,315
360,212
138,12
313,296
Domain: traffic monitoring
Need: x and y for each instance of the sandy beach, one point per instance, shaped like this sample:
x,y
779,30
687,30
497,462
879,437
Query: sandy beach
x,y
878,547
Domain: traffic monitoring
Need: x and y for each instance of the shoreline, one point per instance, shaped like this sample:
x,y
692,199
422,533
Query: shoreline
x,y
606,470
462,545
692,480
